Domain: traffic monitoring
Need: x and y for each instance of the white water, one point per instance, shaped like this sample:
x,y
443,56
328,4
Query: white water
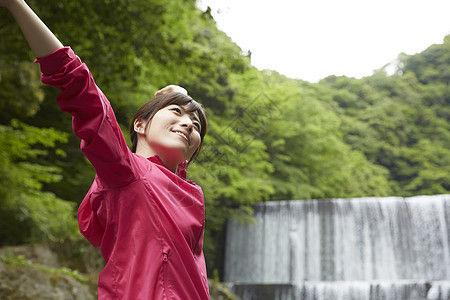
x,y
383,248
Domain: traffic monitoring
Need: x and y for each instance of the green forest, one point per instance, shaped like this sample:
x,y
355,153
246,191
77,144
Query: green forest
x,y
270,137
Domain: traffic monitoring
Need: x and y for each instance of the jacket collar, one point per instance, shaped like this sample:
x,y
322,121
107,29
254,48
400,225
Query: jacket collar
x,y
181,169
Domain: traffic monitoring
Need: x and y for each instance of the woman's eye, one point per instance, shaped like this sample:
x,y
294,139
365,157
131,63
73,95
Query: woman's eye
x,y
197,125
177,110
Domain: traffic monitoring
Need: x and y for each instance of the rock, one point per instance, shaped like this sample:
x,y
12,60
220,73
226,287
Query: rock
x,y
78,254
29,283
36,253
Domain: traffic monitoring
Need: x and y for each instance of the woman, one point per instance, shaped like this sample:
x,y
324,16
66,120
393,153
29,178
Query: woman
x,y
143,213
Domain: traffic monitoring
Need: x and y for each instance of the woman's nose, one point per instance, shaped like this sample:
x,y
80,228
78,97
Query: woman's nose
x,y
187,122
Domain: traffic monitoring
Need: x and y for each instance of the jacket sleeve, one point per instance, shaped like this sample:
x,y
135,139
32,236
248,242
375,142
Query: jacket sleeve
x,y
93,119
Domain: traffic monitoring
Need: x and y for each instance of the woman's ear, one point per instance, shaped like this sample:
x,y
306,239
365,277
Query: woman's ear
x,y
139,126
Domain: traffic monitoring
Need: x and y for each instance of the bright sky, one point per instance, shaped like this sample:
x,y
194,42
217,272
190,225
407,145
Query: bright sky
x,y
311,39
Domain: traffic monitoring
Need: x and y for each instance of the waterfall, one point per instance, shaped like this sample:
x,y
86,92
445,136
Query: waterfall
x,y
361,248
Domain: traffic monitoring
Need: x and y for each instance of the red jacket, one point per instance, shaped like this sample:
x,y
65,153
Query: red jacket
x,y
148,221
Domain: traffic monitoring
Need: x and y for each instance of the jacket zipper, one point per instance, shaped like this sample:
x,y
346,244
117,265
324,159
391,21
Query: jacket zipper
x,y
165,278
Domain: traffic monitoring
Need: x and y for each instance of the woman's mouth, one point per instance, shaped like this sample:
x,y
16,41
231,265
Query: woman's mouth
x,y
182,134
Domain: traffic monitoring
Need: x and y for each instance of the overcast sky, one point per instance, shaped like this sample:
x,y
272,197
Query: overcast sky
x,y
311,39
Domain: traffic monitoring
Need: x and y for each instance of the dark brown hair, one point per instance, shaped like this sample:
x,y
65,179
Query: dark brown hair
x,y
151,107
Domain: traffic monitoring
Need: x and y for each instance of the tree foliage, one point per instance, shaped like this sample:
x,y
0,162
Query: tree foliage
x,y
28,213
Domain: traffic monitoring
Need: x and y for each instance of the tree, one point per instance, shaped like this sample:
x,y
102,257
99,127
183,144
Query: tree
x,y
27,213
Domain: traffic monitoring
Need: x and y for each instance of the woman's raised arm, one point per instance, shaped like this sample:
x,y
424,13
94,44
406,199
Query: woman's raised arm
x,y
41,40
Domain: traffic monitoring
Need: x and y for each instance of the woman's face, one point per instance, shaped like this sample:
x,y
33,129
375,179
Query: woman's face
x,y
173,134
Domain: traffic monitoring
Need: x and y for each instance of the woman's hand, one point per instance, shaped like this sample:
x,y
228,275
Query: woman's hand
x,y
169,89
41,40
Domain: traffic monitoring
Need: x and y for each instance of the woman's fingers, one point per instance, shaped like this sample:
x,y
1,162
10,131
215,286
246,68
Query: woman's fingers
x,y
171,89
